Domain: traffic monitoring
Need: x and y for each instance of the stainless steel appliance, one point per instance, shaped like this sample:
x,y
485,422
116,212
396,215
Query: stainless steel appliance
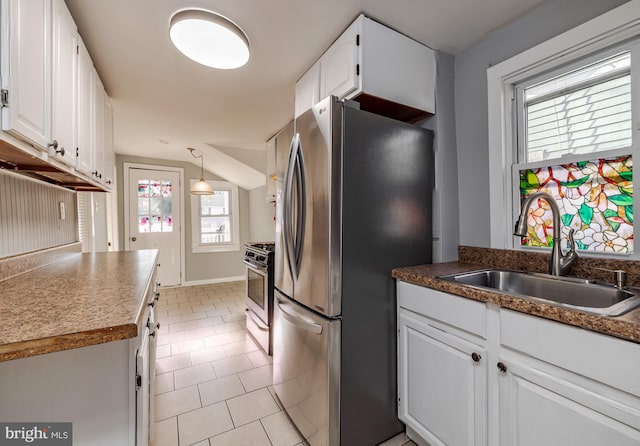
x,y
259,292
355,202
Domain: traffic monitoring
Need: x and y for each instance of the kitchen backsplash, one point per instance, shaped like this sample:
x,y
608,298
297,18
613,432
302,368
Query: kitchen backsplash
x,y
30,215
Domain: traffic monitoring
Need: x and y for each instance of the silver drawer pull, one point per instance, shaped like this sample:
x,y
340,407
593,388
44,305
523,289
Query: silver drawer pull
x,y
295,320
256,321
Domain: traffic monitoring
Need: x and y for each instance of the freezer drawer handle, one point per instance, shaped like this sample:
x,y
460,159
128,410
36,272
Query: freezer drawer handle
x,y
256,321
309,326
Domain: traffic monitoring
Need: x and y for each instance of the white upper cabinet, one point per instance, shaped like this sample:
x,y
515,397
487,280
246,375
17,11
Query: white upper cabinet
x,y
307,90
53,101
26,70
98,129
339,64
65,48
109,157
85,111
385,71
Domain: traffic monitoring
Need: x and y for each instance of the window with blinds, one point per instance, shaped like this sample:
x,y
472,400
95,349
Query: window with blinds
x,y
576,143
582,111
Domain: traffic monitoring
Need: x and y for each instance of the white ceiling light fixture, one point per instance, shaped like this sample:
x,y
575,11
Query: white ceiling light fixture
x,y
200,187
209,38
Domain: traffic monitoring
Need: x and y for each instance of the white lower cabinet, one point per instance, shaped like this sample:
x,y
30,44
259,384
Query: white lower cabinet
x,y
443,383
106,390
538,408
537,382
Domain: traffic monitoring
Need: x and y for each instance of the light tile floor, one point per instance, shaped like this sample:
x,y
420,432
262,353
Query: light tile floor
x,y
213,383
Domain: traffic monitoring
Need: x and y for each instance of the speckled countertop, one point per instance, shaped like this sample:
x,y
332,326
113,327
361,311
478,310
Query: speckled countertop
x,y
626,326
81,300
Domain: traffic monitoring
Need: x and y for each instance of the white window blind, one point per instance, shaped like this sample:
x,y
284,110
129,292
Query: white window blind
x,y
583,111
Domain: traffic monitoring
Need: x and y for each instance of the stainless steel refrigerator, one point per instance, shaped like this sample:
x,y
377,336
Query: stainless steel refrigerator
x,y
355,202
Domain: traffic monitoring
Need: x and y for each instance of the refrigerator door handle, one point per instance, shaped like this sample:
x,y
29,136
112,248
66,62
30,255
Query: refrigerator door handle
x,y
287,214
295,320
302,206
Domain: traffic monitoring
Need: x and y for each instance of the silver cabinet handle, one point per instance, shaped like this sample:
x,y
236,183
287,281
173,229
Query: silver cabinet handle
x,y
292,318
256,321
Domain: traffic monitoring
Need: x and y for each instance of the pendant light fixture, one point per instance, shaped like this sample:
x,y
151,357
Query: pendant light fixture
x,y
200,187
209,38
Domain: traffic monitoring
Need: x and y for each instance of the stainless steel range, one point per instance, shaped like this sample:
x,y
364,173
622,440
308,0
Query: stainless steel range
x,y
259,291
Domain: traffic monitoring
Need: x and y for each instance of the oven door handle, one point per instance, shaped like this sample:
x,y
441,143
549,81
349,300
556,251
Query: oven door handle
x,y
295,320
257,321
259,269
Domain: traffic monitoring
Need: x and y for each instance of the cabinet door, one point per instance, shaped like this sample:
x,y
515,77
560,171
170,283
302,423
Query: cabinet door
x,y
339,65
271,170
85,121
65,48
26,69
538,408
142,390
109,161
307,90
98,128
442,384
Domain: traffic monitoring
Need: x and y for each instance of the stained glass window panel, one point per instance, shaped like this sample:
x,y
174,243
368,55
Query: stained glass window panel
x,y
143,188
595,199
143,223
154,206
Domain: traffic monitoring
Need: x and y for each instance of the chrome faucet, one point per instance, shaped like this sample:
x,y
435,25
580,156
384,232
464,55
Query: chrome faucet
x,y
559,264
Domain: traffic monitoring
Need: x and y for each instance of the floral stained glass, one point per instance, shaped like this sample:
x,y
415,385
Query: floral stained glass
x,y
155,206
595,199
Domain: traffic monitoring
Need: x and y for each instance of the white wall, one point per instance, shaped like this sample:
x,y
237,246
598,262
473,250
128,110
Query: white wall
x,y
445,198
546,21
200,267
262,224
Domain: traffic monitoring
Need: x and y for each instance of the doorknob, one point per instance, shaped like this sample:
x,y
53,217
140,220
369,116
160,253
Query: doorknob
x,y
133,239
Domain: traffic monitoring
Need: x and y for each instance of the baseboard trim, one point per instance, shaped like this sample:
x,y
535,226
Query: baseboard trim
x,y
210,281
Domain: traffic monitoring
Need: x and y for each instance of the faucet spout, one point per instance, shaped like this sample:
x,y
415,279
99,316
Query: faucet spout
x,y
559,263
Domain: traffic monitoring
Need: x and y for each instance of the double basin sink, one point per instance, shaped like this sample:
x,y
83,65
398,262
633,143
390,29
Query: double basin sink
x,y
568,292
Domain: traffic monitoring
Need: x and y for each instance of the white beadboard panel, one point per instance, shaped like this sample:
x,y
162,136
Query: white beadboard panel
x,y
30,215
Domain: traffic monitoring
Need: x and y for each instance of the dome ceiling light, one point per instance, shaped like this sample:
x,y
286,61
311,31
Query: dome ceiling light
x,y
209,38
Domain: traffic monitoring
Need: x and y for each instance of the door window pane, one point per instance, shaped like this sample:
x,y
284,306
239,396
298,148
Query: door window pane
x,y
143,223
155,206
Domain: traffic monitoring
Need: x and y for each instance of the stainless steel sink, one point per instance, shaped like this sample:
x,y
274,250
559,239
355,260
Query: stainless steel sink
x,y
575,293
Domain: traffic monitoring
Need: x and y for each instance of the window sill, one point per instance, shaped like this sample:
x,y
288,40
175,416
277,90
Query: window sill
x,y
218,248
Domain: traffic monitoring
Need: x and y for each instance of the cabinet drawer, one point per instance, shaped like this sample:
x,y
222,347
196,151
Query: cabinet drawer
x,y
464,314
612,361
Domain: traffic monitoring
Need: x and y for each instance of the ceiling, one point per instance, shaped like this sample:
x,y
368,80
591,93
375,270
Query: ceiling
x,y
164,102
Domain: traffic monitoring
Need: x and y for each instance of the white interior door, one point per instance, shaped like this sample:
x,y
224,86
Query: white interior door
x,y
154,219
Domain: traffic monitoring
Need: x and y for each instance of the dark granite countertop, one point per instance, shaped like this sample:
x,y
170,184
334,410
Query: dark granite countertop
x,y
626,326
76,301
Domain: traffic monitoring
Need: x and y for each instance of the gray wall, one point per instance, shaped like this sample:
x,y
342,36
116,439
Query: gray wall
x,y
548,20
30,215
445,198
200,266
262,227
